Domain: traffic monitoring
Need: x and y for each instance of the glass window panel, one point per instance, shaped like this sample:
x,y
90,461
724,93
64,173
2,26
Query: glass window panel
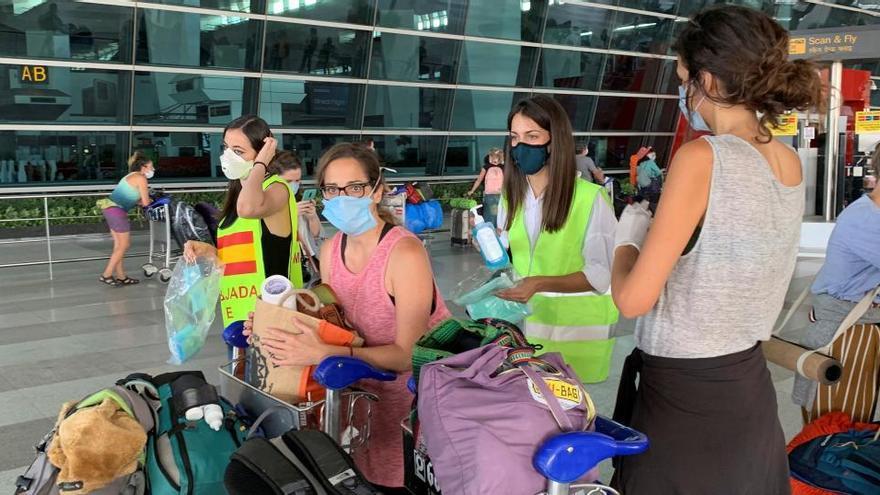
x,y
194,40
181,155
65,30
41,94
442,16
407,107
580,110
315,50
483,110
400,57
575,25
190,99
310,147
252,6
27,157
518,20
497,65
687,8
661,6
350,11
569,69
411,155
612,153
464,155
311,103
615,113
643,33
639,74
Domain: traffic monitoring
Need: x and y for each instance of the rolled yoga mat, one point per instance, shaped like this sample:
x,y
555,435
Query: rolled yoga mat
x,y
818,367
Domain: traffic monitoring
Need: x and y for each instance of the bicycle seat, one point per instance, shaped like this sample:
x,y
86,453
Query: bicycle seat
x,y
339,372
567,457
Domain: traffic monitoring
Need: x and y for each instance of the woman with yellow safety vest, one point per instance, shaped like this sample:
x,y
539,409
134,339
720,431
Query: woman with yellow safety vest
x,y
258,223
560,230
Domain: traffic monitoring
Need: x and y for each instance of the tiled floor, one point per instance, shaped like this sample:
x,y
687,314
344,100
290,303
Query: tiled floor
x,y
61,339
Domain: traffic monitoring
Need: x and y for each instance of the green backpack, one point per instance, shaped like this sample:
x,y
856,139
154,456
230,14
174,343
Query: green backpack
x,y
188,457
454,336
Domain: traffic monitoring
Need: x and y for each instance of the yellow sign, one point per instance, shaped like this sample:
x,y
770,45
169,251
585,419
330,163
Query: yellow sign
x,y
797,46
868,122
34,74
569,395
787,126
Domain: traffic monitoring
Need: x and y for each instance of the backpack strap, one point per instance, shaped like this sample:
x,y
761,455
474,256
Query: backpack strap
x,y
274,466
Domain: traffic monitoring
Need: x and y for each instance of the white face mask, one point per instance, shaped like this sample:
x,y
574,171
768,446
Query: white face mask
x,y
652,156
149,173
235,167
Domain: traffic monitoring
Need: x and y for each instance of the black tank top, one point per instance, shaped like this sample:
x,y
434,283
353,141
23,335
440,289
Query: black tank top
x,y
276,252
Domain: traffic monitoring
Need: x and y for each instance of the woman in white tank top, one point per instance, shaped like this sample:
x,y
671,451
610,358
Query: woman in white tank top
x,y
709,277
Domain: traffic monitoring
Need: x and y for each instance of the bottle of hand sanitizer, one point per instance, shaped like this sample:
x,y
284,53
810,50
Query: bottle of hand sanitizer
x,y
484,233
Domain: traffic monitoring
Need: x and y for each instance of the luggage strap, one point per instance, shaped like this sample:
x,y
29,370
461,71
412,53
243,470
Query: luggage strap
x,y
276,466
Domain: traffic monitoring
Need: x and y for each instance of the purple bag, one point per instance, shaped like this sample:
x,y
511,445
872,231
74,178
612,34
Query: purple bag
x,y
481,429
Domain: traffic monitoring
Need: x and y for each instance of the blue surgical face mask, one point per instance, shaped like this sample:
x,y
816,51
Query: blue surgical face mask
x,y
530,158
693,117
350,215
294,187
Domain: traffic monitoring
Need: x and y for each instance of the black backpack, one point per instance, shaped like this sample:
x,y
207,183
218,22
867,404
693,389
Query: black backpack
x,y
300,462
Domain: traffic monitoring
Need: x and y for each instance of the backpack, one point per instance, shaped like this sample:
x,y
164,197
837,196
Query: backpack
x,y
300,462
40,477
186,457
846,462
494,180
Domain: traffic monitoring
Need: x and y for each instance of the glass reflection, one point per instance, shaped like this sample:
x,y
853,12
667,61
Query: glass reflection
x,y
441,16
65,30
402,57
519,20
569,69
407,107
182,154
350,11
497,65
190,99
483,110
315,50
42,94
41,156
311,103
576,25
194,40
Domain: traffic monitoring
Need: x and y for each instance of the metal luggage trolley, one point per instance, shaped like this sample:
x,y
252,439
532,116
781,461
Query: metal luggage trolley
x,y
337,374
159,211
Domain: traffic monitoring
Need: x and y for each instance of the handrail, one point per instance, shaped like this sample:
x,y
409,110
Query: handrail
x,y
47,190
94,190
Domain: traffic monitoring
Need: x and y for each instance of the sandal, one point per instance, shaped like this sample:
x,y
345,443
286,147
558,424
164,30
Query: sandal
x,y
108,280
127,281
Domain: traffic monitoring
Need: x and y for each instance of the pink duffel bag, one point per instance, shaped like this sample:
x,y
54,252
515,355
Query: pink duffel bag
x,y
482,418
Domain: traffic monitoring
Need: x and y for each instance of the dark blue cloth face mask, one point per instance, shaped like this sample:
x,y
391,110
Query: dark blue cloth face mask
x,y
530,158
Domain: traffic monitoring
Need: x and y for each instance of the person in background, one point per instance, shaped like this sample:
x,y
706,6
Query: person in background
x,y
382,277
851,269
310,233
650,178
560,230
258,222
131,191
588,169
710,276
492,178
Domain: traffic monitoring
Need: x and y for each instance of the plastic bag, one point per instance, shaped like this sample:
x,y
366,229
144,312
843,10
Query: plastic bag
x,y
477,295
190,306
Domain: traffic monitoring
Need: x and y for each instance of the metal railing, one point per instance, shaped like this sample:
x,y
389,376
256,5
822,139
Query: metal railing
x,y
46,194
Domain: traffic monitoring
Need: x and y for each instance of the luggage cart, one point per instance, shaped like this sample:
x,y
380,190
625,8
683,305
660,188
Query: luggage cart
x,y
337,374
159,212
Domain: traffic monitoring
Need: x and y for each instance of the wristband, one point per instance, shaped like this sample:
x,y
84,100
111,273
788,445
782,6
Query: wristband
x,y
263,164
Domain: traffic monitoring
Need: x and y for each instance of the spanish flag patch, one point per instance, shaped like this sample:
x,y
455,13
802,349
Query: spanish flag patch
x,y
236,251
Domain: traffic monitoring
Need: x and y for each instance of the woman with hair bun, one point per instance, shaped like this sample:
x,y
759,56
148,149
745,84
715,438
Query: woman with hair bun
x,y
131,191
710,277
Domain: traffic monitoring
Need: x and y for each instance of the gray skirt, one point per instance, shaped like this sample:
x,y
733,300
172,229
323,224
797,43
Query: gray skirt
x,y
712,425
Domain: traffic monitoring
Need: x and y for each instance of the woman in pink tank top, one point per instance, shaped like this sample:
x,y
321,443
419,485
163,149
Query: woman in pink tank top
x,y
382,277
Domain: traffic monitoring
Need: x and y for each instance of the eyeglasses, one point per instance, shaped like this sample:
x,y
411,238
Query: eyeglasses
x,y
355,190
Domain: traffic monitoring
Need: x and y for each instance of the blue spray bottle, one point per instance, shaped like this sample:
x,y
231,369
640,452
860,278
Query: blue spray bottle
x,y
491,248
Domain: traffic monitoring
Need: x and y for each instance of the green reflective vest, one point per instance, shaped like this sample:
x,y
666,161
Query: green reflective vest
x,y
240,249
579,324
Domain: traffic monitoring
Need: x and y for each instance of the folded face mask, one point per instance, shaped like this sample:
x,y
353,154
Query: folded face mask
x,y
235,167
